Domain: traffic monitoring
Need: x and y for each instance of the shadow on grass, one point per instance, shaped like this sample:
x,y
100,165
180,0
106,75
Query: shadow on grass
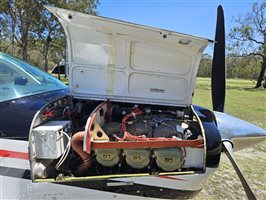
x,y
229,87
251,89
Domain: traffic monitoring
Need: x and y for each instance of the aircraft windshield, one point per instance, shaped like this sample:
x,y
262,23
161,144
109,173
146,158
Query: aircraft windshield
x,y
19,79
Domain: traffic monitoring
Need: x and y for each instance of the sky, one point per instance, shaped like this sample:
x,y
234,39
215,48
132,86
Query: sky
x,y
195,17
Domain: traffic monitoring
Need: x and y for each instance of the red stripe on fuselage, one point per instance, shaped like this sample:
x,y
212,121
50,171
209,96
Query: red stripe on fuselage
x,y
172,178
14,154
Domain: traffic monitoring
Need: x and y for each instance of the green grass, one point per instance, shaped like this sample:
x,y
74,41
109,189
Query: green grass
x,y
62,78
242,100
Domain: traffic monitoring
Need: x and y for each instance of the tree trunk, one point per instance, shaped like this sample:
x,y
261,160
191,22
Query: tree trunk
x,y
262,74
46,62
25,48
24,39
46,52
58,70
13,38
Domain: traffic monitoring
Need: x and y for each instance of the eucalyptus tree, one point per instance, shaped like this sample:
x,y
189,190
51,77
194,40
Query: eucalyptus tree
x,y
18,17
248,37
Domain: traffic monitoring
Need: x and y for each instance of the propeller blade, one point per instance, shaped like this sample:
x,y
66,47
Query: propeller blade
x,y
228,149
218,64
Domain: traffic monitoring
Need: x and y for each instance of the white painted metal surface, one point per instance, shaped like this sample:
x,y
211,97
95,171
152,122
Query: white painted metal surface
x,y
120,61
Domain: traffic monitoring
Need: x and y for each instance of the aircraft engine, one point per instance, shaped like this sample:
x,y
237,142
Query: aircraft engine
x,y
119,139
158,125
169,159
109,157
138,158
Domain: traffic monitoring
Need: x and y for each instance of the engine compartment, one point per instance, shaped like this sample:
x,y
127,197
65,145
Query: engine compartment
x,y
99,140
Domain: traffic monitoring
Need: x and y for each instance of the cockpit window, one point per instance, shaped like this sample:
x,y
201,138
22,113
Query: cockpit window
x,y
19,79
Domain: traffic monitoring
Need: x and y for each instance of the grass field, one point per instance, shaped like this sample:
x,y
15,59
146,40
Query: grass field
x,y
242,100
249,104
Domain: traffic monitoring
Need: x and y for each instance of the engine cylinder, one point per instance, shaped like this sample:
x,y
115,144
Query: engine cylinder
x,y
169,159
137,158
107,157
138,129
113,128
167,130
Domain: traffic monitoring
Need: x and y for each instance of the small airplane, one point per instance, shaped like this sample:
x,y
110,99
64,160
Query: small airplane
x,y
126,128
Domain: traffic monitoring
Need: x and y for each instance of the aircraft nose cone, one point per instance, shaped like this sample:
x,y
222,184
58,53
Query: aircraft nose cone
x,y
242,133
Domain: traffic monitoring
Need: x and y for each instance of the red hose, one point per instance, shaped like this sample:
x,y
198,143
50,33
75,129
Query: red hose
x,y
129,136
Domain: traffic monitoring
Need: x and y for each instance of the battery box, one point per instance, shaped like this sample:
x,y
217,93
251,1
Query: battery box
x,y
50,141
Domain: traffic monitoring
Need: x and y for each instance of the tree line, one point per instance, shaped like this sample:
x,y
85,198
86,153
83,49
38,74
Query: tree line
x,y
236,67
